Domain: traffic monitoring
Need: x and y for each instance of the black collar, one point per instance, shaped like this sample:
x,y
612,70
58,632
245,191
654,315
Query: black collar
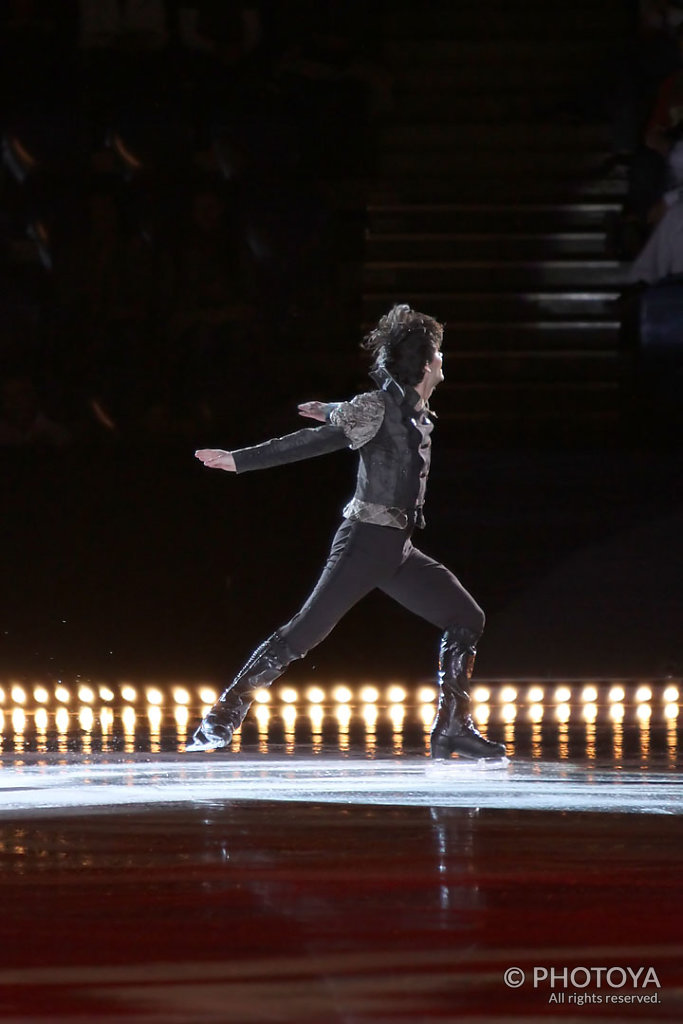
x,y
405,395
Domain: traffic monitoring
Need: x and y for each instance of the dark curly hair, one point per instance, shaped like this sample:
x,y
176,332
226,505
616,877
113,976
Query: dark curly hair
x,y
403,342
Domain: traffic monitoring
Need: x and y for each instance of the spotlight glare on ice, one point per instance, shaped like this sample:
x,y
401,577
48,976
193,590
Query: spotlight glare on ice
x,y
589,694
509,712
18,695
563,694
342,694
106,694
86,694
315,713
41,719
617,712
507,695
397,714
562,712
154,696
671,712
481,713
617,694
427,714
18,720
315,695
536,712
643,694
86,719
40,695
481,695
129,693
289,695
181,695
396,694
181,715
670,695
644,712
426,694
154,714
62,695
535,694
207,695
590,712
262,696
343,715
370,714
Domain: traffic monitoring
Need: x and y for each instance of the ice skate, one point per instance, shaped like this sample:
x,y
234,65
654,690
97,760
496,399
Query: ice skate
x,y
453,731
219,725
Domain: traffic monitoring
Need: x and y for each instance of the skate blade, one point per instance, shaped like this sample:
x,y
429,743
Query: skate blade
x,y
202,745
480,764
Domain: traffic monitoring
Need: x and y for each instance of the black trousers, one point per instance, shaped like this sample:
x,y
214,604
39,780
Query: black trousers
x,y
364,557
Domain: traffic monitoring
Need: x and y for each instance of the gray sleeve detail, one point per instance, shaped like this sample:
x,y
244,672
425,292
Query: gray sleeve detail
x,y
361,418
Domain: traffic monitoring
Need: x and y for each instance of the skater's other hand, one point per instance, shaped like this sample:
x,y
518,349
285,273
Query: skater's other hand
x,y
313,410
216,458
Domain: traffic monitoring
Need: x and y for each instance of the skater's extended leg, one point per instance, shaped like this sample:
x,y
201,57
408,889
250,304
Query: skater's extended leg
x,y
266,664
429,589
361,556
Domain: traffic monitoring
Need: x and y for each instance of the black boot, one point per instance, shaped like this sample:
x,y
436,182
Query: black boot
x,y
453,731
266,664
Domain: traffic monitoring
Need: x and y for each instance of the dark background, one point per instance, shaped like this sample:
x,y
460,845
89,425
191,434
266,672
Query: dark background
x,y
122,555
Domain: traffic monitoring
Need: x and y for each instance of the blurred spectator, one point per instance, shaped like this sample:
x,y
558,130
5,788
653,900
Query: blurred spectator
x,y
662,255
655,170
22,421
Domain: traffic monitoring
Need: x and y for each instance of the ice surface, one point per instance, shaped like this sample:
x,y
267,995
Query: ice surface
x,y
29,783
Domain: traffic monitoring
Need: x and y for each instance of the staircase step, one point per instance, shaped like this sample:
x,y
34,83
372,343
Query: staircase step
x,y
499,187
497,19
532,77
433,246
518,52
546,401
541,336
481,108
536,136
493,274
506,309
506,217
521,367
509,163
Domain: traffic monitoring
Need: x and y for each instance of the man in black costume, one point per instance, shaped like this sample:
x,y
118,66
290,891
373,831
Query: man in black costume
x,y
390,428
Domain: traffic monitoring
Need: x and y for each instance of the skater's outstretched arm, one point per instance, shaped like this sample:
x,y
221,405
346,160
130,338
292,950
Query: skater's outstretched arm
x,y
345,425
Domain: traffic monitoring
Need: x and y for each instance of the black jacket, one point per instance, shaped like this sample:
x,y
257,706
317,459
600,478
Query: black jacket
x,y
393,440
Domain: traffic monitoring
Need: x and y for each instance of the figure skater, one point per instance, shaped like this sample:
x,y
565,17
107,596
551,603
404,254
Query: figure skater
x,y
390,427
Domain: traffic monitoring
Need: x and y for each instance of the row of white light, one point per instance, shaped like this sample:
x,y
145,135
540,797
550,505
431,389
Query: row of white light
x,y
130,717
395,694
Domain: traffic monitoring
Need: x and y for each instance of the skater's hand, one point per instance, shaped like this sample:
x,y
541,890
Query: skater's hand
x,y
313,410
216,458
